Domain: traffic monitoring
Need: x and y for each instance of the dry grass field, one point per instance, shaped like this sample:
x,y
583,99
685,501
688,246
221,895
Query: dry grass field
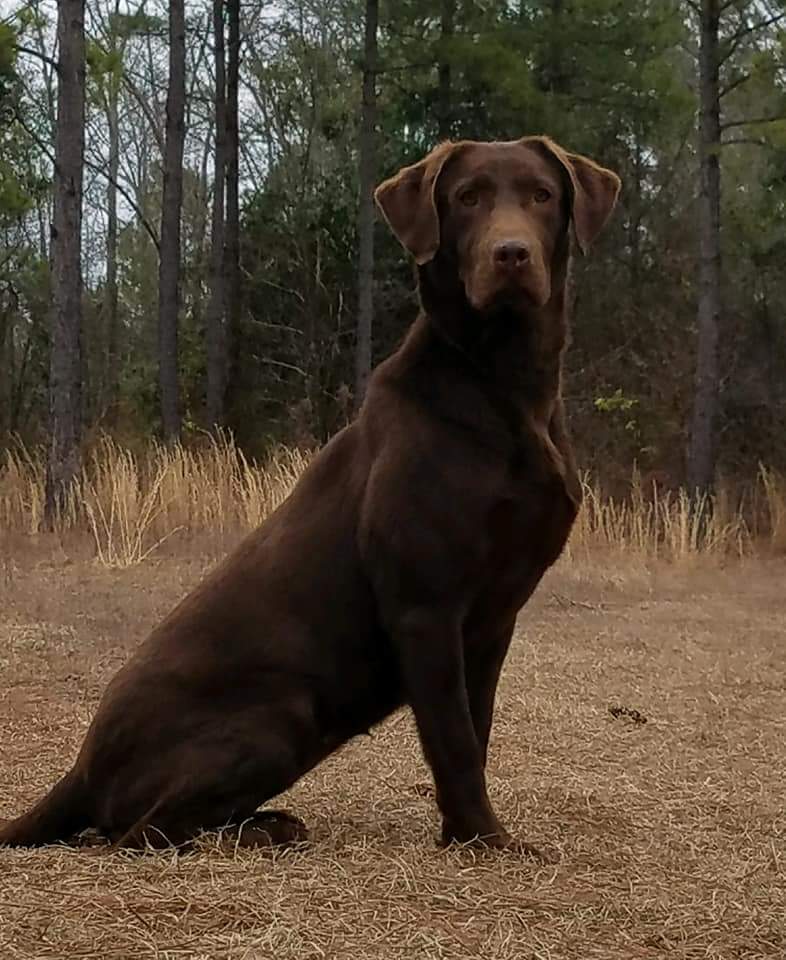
x,y
669,835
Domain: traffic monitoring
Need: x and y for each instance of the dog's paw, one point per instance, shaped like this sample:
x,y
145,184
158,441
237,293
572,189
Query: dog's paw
x,y
281,828
500,841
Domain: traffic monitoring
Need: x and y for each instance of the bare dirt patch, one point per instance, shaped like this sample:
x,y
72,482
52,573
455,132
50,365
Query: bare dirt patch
x,y
671,834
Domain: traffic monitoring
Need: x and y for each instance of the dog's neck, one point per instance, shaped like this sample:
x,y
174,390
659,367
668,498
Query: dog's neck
x,y
517,352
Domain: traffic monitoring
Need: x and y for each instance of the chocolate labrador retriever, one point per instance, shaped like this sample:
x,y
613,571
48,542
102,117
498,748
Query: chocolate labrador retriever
x,y
394,571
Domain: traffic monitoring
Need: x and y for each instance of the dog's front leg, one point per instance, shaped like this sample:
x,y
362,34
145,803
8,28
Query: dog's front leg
x,y
485,649
430,648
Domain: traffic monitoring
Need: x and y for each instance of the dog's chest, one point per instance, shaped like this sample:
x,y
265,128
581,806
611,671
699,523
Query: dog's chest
x,y
528,527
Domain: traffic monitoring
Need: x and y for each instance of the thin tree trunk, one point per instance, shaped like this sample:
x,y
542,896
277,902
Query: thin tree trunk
x,y
111,376
552,78
444,93
701,454
367,178
556,46
201,259
7,366
42,217
66,249
635,228
234,293
172,202
216,353
18,399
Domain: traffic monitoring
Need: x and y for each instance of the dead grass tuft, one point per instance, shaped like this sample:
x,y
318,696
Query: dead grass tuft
x,y
773,488
666,525
132,503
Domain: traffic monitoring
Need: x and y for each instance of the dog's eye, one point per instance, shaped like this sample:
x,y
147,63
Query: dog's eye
x,y
541,195
469,198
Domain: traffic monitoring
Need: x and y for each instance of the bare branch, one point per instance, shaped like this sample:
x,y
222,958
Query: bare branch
x,y
42,146
675,165
736,38
280,363
761,25
146,109
128,198
30,52
754,121
733,84
747,141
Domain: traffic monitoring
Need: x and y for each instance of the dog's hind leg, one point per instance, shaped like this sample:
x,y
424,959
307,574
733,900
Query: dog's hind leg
x,y
217,782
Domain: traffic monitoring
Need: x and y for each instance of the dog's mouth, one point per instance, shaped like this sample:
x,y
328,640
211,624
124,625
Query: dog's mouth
x,y
521,294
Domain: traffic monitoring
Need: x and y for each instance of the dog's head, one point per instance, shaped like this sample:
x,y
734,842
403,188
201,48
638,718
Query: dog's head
x,y
497,215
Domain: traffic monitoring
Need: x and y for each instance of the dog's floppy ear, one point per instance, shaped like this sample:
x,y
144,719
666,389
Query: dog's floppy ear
x,y
594,188
408,203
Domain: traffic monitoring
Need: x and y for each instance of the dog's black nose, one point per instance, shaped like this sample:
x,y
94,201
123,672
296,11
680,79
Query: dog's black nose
x,y
510,254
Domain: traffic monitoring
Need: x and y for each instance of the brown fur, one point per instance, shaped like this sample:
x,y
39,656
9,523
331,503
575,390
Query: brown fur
x,y
394,572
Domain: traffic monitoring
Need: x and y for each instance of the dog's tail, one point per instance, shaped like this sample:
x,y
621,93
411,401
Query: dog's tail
x,y
57,816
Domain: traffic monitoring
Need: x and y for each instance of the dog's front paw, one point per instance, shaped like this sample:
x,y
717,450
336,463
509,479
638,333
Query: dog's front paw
x,y
498,839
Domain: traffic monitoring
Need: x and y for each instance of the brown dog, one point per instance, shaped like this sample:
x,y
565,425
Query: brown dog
x,y
394,572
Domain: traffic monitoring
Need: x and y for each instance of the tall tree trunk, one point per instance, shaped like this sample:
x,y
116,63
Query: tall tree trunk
x,y
552,74
66,251
216,353
367,171
111,375
172,202
444,92
701,453
234,294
